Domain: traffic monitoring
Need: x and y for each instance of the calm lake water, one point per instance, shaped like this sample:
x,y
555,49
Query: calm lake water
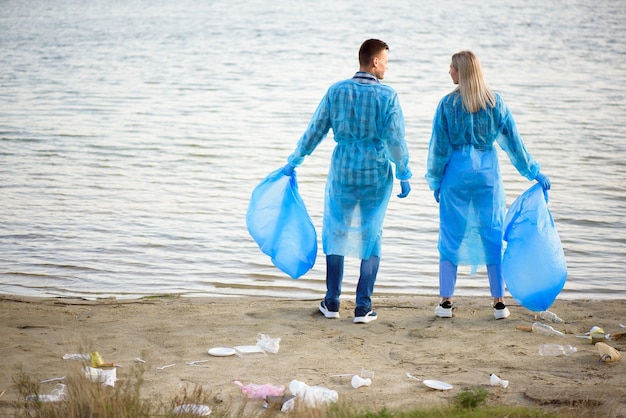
x,y
133,132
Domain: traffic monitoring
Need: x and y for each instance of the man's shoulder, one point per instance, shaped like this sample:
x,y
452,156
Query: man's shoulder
x,y
344,82
352,83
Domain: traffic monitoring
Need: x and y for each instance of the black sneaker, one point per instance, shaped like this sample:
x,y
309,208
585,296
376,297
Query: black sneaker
x,y
327,312
444,310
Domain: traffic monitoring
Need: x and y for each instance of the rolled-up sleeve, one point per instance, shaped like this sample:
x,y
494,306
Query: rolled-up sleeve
x,y
393,137
316,131
511,142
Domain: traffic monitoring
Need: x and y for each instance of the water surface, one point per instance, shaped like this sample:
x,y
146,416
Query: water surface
x,y
132,134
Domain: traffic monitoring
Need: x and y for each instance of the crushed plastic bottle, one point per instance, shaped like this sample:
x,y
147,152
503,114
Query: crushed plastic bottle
x,y
556,350
544,329
358,381
310,396
550,316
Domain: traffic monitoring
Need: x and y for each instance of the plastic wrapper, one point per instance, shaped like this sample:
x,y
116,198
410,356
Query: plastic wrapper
x,y
254,391
278,221
533,266
193,409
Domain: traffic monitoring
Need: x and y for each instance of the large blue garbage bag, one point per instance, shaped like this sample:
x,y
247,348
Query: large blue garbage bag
x,y
278,221
533,266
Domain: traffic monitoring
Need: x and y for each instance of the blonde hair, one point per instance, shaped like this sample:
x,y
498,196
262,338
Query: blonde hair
x,y
474,91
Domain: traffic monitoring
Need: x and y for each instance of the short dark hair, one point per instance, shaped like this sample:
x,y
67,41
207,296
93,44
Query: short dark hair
x,y
369,49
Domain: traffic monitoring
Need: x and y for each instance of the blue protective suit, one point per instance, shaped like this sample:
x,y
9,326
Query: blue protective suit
x,y
368,127
463,164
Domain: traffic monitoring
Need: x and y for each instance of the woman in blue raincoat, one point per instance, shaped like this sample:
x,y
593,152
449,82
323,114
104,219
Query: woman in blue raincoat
x,y
464,173
368,127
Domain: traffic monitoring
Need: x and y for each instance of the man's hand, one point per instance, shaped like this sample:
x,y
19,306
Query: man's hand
x,y
406,189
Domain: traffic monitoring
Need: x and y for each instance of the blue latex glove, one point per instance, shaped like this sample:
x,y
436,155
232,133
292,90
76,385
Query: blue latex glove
x,y
406,189
543,180
288,169
436,193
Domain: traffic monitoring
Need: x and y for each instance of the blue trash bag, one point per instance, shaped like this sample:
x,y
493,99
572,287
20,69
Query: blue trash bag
x,y
533,266
278,221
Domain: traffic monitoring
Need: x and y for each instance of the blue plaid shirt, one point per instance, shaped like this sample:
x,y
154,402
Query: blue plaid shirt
x,y
366,118
368,126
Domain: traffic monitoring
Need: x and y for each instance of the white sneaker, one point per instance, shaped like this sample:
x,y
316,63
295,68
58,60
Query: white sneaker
x,y
444,309
500,311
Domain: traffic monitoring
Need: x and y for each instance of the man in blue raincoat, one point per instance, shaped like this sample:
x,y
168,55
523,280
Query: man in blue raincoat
x,y
368,127
464,173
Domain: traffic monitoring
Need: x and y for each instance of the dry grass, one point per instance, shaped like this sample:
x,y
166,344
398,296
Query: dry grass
x,y
85,399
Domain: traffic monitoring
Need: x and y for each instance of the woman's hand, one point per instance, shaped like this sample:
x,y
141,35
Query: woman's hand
x,y
543,180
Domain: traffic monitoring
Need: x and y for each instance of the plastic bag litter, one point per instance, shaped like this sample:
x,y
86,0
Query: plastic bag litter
x,y
255,391
58,394
268,344
533,266
278,221
107,377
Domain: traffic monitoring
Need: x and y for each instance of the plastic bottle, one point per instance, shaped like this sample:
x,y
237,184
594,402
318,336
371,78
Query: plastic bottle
x,y
555,350
544,329
550,316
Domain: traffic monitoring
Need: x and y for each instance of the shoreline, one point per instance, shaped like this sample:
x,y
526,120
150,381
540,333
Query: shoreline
x,y
407,338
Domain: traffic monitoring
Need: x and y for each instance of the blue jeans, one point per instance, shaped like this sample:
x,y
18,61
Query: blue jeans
x,y
364,289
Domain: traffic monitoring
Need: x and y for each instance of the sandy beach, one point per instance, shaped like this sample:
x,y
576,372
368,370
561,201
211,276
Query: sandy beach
x,y
407,338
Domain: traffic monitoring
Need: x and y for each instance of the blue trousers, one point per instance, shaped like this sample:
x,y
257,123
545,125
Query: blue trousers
x,y
447,279
364,289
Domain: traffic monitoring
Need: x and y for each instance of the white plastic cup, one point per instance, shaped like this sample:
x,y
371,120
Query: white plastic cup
x,y
496,381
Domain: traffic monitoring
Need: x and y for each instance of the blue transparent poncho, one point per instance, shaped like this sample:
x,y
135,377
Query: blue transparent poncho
x,y
463,164
368,127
